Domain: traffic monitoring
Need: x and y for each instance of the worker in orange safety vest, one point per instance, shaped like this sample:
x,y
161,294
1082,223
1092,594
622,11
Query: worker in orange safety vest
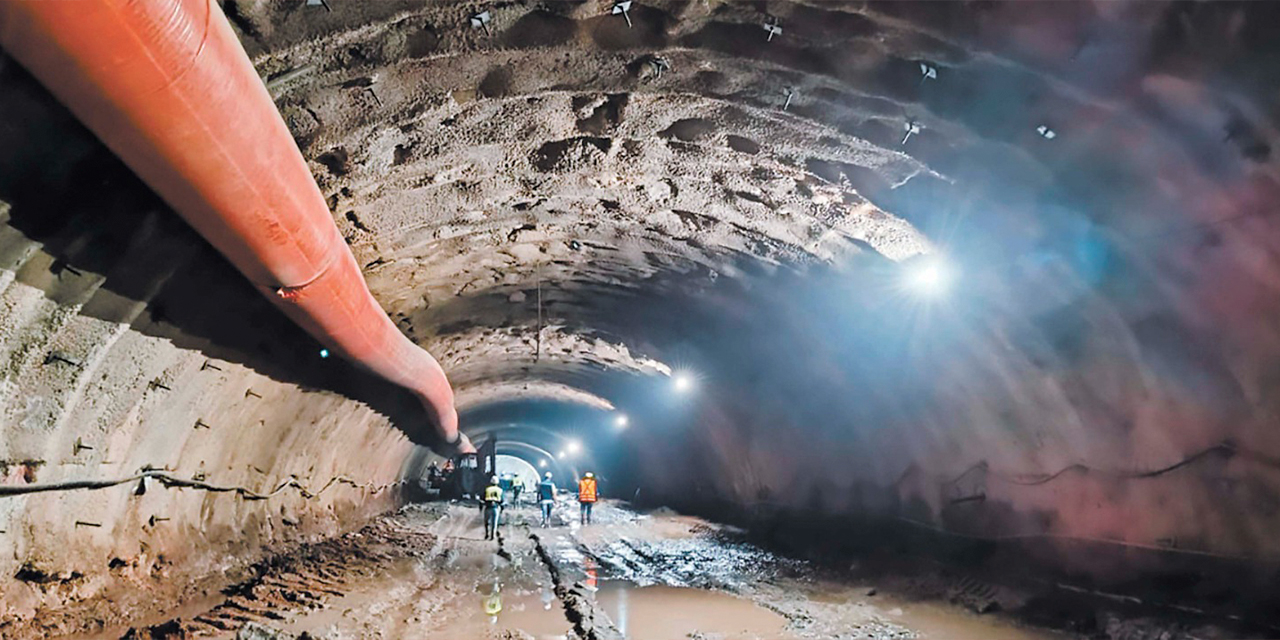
x,y
588,493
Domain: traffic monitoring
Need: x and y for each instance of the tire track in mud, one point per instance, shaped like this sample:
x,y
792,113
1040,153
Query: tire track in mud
x,y
579,609
308,578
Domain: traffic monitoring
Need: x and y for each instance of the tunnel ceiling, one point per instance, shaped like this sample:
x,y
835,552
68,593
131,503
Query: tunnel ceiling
x,y
556,199
566,209
567,153
562,206
559,155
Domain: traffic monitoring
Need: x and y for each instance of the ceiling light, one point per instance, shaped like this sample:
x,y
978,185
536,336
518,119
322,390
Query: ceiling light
x,y
573,447
481,21
562,454
930,276
682,382
324,353
623,6
620,422
542,464
912,127
773,28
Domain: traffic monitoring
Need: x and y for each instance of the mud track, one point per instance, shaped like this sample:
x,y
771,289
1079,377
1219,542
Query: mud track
x,y
427,573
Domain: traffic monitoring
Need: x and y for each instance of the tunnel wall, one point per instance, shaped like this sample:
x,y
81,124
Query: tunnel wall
x,y
128,344
1101,441
96,387
1113,415
1133,382
1113,429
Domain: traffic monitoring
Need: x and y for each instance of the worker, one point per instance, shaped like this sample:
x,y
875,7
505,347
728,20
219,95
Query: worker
x,y
517,486
435,479
492,509
505,485
546,498
588,493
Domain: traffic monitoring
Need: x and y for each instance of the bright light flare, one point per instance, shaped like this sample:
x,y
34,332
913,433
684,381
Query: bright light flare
x,y
542,464
573,447
562,454
621,421
930,277
682,382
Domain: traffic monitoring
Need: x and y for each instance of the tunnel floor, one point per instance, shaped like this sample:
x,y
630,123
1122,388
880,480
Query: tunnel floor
x,y
427,572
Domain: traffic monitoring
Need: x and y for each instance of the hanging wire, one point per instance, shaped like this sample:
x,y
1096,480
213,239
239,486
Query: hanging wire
x,y
169,480
537,353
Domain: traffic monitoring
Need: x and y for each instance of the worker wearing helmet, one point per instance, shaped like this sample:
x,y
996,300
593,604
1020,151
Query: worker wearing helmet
x,y
546,498
492,508
504,482
517,487
588,493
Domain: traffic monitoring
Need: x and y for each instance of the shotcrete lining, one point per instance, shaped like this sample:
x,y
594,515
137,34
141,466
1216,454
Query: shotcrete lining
x,y
493,392
463,170
205,428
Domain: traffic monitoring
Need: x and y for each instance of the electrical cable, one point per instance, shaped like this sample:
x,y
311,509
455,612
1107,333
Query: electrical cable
x,y
1074,538
784,508
1225,448
169,480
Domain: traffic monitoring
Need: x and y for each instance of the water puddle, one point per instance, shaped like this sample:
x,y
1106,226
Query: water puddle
x,y
887,616
535,613
932,620
640,613
661,613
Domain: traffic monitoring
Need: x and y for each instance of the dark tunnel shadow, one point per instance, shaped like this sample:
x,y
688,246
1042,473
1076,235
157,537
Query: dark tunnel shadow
x,y
88,211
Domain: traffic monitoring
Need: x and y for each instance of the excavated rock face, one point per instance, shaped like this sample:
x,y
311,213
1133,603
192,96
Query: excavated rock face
x,y
128,347
565,208
1098,173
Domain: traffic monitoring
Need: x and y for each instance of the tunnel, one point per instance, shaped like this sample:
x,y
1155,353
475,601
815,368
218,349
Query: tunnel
x,y
871,319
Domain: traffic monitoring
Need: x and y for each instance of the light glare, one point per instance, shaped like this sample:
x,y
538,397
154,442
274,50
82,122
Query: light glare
x,y
930,278
682,382
621,421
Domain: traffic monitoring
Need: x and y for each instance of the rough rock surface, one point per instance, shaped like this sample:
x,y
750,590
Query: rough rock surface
x,y
567,208
1106,354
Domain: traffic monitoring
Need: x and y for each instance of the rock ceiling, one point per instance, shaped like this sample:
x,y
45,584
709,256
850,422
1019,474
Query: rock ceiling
x,y
558,158
557,197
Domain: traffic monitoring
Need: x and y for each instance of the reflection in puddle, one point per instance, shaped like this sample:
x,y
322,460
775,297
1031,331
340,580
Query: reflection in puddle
x,y
533,613
593,573
623,615
661,613
640,613
492,603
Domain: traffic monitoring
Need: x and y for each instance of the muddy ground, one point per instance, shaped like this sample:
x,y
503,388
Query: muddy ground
x,y
426,572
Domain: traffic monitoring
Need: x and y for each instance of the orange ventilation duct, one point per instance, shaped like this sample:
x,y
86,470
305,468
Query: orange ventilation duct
x,y
167,86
